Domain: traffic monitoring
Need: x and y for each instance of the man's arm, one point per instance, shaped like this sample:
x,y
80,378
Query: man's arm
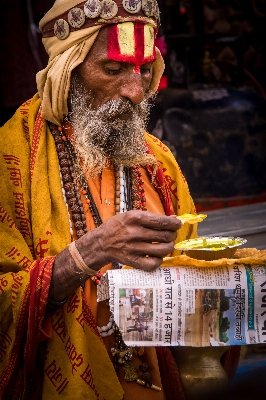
x,y
126,238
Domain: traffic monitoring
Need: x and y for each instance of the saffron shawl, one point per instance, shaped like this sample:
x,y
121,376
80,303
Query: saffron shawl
x,y
34,227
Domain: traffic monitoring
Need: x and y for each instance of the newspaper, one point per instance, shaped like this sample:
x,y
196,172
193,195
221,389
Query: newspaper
x,y
188,306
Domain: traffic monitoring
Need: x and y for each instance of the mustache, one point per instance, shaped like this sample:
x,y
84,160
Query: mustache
x,y
112,109
115,108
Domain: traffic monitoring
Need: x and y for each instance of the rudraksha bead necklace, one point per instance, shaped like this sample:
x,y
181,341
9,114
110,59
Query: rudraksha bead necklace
x,y
138,192
71,191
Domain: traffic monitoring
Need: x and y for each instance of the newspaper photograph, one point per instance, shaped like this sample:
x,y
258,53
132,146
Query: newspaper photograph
x,y
189,306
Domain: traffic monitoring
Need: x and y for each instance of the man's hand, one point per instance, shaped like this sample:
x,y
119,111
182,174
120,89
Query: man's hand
x,y
136,238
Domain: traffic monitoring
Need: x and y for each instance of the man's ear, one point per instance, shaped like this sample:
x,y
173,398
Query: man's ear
x,y
157,71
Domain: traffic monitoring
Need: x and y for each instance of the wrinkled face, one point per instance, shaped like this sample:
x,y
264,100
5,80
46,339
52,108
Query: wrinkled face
x,y
107,78
108,102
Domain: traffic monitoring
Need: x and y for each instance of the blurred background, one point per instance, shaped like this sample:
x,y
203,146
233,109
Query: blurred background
x,y
212,112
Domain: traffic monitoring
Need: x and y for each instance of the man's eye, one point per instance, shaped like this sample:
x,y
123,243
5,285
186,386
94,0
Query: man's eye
x,y
113,71
145,70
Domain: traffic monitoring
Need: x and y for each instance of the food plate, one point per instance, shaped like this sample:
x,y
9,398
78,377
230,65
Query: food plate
x,y
210,248
212,243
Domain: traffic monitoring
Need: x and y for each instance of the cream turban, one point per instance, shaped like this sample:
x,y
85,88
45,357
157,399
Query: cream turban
x,y
53,82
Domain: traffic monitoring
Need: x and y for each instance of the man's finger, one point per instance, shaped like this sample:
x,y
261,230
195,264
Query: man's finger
x,y
147,263
163,236
159,222
159,250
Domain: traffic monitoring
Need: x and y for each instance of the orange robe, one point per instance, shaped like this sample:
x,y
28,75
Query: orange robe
x,y
103,192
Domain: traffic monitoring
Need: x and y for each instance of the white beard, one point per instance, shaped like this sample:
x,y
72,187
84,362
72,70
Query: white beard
x,y
101,137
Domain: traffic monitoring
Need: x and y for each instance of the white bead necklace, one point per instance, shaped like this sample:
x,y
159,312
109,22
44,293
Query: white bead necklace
x,y
108,329
123,190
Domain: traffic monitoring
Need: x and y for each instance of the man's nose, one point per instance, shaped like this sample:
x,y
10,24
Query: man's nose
x,y
132,89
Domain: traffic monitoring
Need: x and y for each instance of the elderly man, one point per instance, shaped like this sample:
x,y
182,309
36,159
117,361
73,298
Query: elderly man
x,y
84,189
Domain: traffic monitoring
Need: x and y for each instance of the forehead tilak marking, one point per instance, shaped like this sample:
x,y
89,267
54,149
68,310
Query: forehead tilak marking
x,y
132,43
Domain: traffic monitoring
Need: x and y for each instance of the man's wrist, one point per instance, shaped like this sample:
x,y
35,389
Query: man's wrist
x,y
80,263
91,251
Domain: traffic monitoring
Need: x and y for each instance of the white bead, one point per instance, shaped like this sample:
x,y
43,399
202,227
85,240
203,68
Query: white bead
x,y
110,332
104,328
99,329
122,182
122,197
104,334
109,325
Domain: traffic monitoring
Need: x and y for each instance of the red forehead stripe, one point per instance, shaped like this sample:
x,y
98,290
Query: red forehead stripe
x,y
114,51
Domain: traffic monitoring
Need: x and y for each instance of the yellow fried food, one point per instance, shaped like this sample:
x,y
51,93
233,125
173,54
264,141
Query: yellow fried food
x,y
191,218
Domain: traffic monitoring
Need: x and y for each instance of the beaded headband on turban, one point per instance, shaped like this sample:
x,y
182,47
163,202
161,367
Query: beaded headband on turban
x,y
69,30
95,12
